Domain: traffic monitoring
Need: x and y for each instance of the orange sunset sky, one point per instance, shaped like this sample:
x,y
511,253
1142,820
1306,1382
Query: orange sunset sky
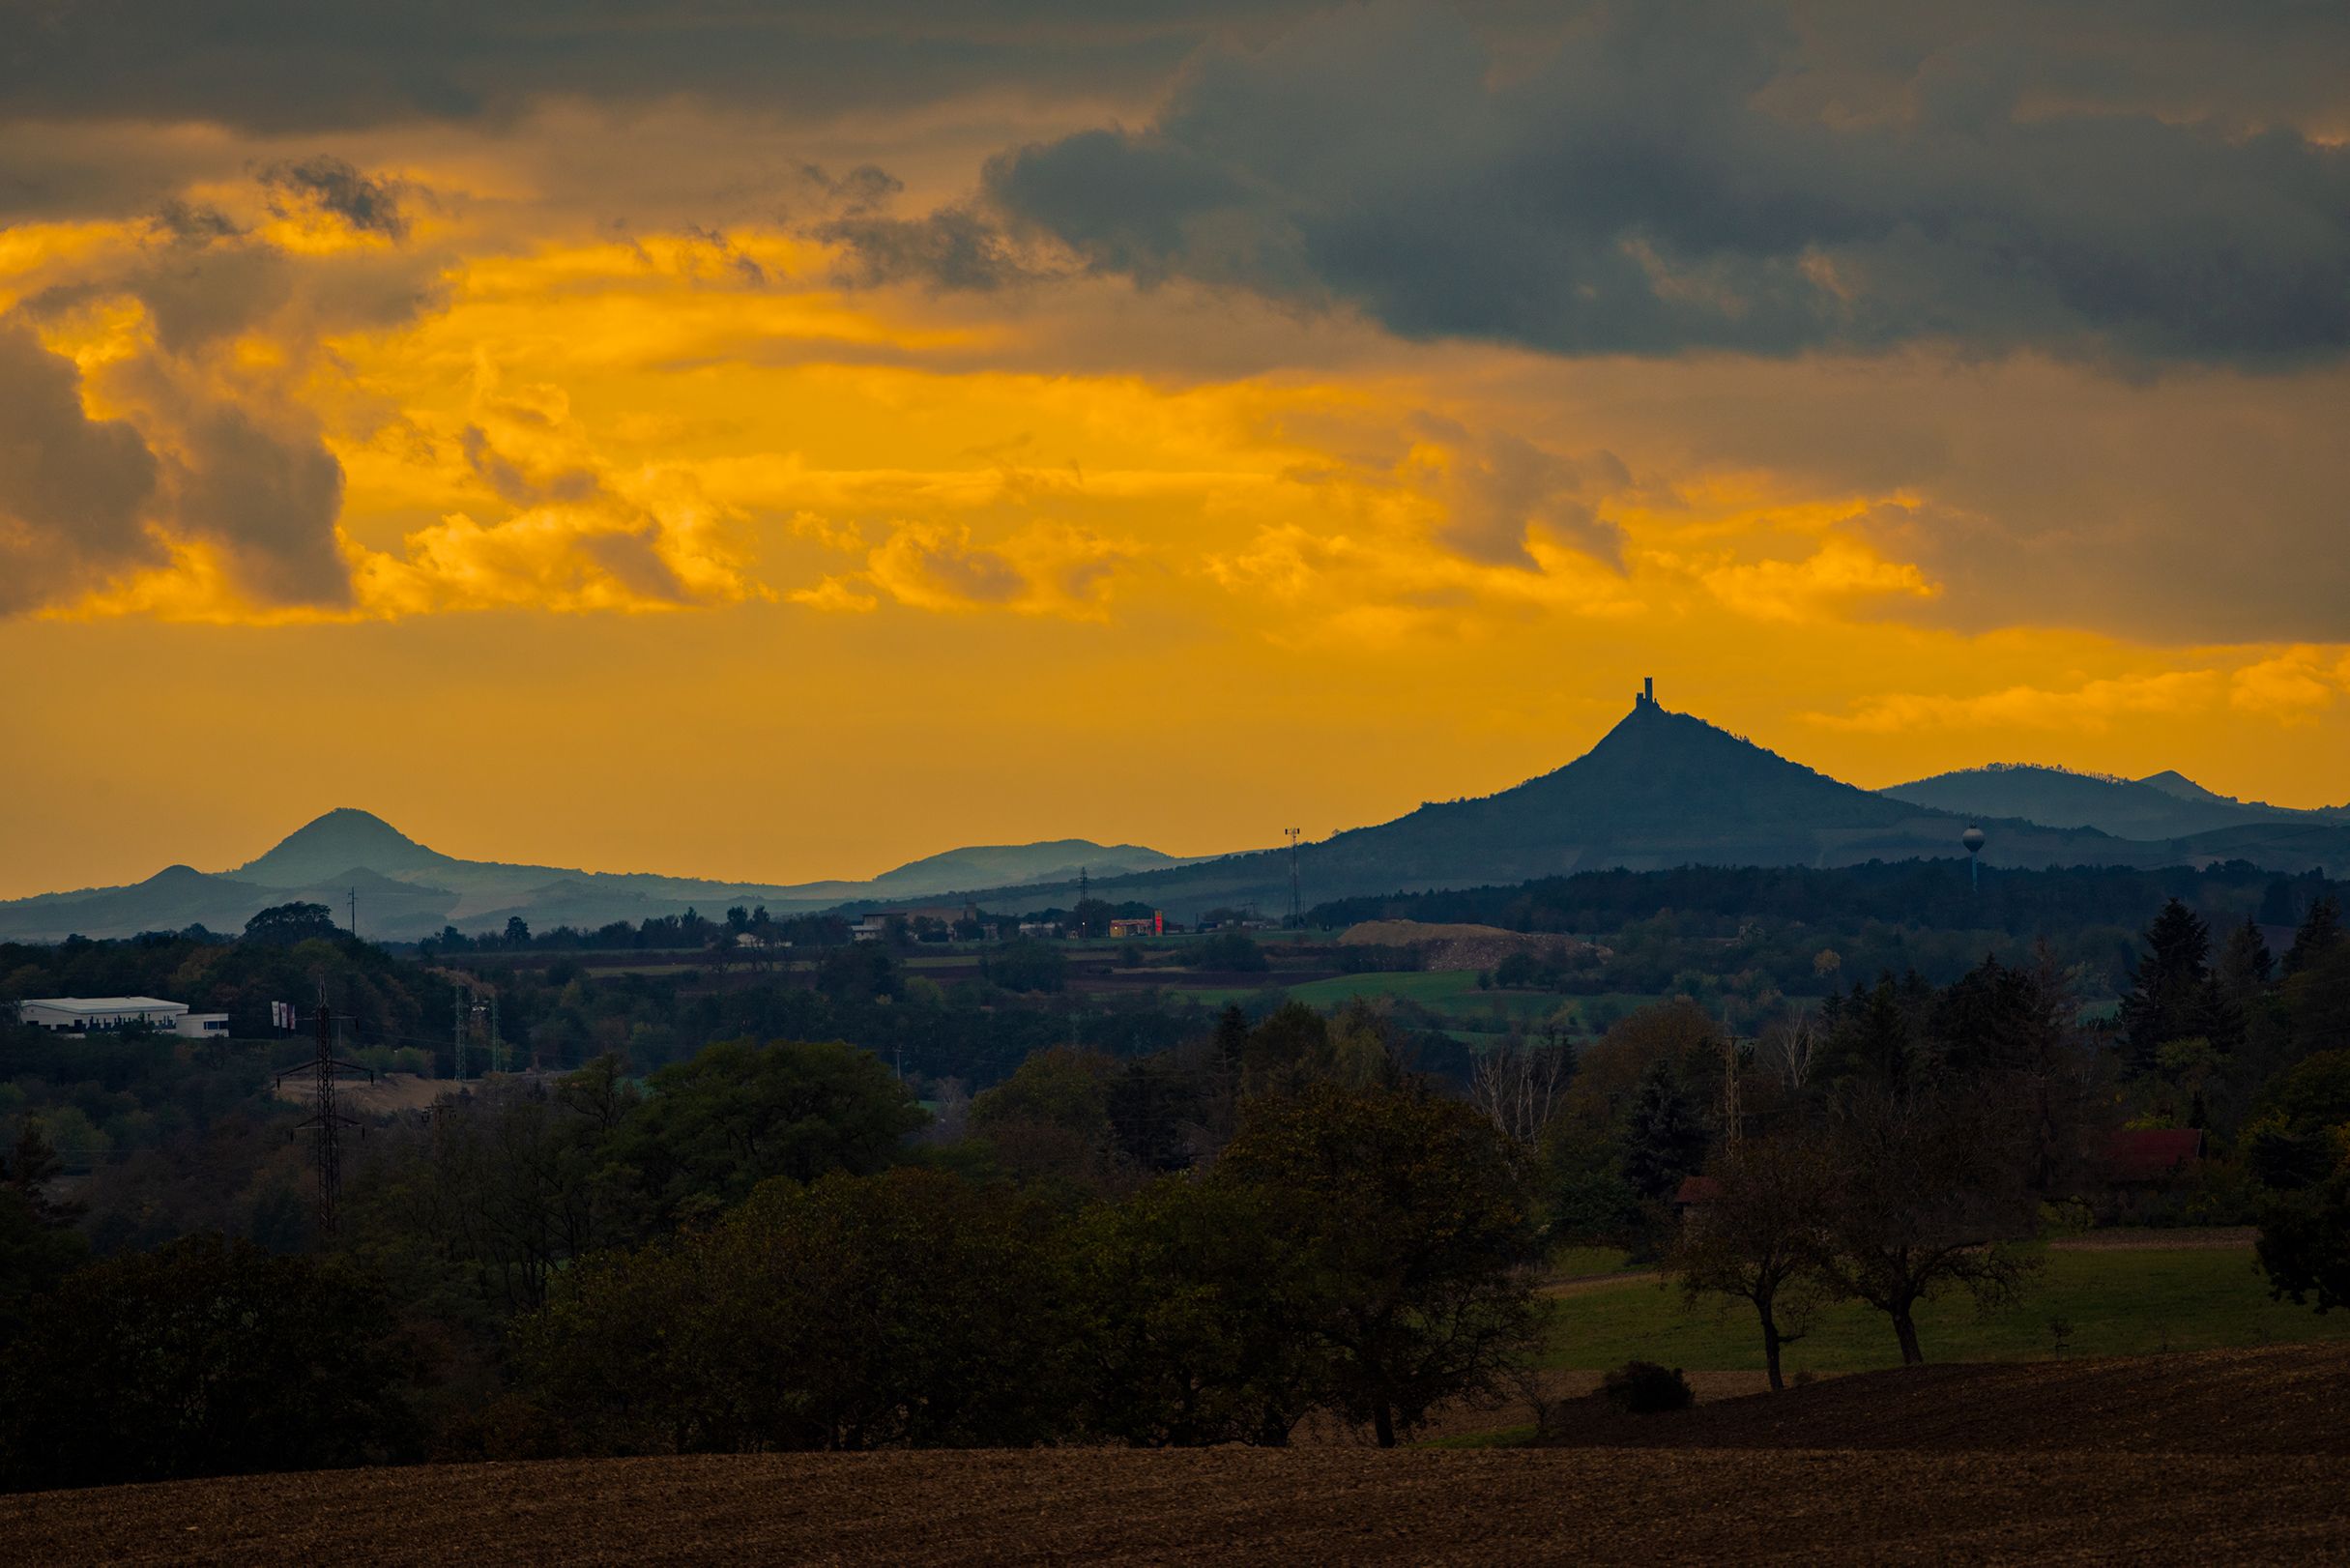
x,y
780,441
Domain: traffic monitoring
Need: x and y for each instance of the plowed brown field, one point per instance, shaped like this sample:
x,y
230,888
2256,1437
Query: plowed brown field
x,y
2066,1471
1303,1505
2287,1398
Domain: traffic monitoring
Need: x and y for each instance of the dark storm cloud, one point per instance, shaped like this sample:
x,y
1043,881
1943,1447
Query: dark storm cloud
x,y
366,203
1494,485
270,499
518,488
78,495
203,453
74,491
951,249
276,65
1765,179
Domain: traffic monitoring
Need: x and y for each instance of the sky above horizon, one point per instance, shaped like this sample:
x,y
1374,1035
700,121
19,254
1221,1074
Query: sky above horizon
x,y
780,441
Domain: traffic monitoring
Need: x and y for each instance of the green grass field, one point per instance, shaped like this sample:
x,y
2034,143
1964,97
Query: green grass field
x,y
2122,1302
1442,989
1455,992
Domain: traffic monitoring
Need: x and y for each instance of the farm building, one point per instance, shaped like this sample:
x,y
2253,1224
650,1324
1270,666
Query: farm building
x,y
2149,1156
1153,924
2137,1166
77,1016
1696,1192
935,922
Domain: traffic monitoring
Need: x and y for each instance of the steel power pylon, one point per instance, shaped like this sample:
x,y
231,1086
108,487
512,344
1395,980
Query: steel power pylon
x,y
1297,909
326,1122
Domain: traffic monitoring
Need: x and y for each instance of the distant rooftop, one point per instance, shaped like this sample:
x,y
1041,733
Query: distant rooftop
x,y
102,1004
2151,1153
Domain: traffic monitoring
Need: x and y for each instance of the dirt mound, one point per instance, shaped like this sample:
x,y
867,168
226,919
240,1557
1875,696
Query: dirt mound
x,y
2279,1400
388,1093
1464,946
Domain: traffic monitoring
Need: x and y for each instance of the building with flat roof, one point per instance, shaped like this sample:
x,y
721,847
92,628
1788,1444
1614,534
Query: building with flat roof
x,y
77,1016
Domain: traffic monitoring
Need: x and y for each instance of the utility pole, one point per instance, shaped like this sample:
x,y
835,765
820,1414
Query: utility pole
x,y
1733,1115
326,1122
1297,908
457,1032
497,1041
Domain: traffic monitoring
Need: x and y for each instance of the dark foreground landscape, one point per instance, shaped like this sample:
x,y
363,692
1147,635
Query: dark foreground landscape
x,y
2232,1455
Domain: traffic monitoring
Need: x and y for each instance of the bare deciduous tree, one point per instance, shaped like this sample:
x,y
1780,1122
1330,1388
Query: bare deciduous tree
x,y
1518,1084
1791,1049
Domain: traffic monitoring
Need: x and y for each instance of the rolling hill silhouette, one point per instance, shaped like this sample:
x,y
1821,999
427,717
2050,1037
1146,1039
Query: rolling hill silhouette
x,y
1660,789
2164,806
1664,789
321,851
405,890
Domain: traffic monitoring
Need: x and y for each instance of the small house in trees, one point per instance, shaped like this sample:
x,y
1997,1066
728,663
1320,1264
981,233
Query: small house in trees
x,y
2137,1165
1696,1192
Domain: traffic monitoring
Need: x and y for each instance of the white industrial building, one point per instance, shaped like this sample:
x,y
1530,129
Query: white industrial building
x,y
98,1015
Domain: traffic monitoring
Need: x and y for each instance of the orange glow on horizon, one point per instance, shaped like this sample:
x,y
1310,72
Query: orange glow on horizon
x,y
660,547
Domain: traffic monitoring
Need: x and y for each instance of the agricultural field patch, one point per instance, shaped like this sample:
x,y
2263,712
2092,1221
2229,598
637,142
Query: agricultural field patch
x,y
2132,1300
1629,1505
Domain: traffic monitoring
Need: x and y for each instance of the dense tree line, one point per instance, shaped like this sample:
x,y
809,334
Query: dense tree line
x,y
685,932
1933,893
747,1250
1910,1134
175,1135
1911,913
1206,1229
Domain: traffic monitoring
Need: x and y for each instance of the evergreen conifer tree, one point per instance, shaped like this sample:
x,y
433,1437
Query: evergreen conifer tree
x,y
1663,1139
2246,964
2175,997
2320,929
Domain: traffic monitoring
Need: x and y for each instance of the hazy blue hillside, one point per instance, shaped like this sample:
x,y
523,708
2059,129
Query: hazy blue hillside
x,y
407,890
334,843
2058,798
2179,787
179,897
1659,788
994,865
2170,782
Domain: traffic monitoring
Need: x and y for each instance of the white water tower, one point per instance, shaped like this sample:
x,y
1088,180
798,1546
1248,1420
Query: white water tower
x,y
1972,838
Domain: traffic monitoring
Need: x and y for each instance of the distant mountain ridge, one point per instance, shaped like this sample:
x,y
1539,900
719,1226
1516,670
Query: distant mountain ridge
x,y
1659,788
1664,789
406,890
2159,806
327,845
